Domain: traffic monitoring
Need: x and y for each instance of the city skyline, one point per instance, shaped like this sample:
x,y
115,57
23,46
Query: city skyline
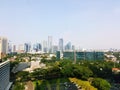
x,y
86,24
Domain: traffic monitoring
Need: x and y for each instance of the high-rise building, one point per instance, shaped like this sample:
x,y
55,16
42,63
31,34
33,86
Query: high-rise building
x,y
5,75
9,47
39,46
49,44
44,46
35,47
55,49
13,48
27,47
73,47
61,44
21,48
68,46
3,47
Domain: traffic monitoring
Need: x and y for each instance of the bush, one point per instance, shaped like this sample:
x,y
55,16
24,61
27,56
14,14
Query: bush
x,y
101,84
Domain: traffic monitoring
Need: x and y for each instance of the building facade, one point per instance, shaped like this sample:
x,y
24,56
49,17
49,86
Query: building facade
x,y
27,47
61,45
21,48
49,44
37,47
68,46
5,75
58,55
44,46
3,47
9,47
83,55
55,48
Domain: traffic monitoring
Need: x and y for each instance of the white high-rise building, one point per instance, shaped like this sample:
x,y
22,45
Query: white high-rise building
x,y
44,46
61,44
49,44
3,47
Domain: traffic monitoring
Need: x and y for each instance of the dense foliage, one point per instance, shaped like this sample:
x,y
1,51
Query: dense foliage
x,y
100,71
101,84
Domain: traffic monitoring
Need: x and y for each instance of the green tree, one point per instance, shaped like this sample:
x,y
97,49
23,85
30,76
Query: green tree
x,y
39,73
18,86
67,70
101,84
82,72
23,75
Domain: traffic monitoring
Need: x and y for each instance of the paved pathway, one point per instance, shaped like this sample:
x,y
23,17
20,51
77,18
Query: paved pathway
x,y
29,86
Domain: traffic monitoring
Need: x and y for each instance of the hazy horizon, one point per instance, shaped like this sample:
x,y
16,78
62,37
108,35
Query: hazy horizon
x,y
86,23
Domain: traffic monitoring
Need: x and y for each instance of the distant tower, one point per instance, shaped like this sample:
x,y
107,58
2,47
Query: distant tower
x,y
39,46
3,47
27,47
9,47
21,48
61,44
13,48
44,46
55,49
73,47
68,46
49,44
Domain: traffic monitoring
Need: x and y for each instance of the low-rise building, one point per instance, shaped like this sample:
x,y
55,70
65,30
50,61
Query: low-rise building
x,y
83,55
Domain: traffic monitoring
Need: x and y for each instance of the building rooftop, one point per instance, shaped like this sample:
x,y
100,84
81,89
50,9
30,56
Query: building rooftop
x,y
3,62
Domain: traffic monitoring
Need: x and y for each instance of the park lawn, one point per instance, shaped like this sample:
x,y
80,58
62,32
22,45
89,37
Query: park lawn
x,y
42,84
84,84
55,83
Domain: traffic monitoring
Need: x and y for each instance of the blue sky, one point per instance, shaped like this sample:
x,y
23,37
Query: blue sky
x,y
86,23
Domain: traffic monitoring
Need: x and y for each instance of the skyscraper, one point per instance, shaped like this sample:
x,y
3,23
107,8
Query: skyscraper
x,y
37,47
68,46
3,47
61,44
27,47
44,46
49,44
55,49
9,47
13,48
73,47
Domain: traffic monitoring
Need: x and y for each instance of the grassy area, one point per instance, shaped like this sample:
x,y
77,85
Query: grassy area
x,y
19,86
85,85
49,84
56,84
